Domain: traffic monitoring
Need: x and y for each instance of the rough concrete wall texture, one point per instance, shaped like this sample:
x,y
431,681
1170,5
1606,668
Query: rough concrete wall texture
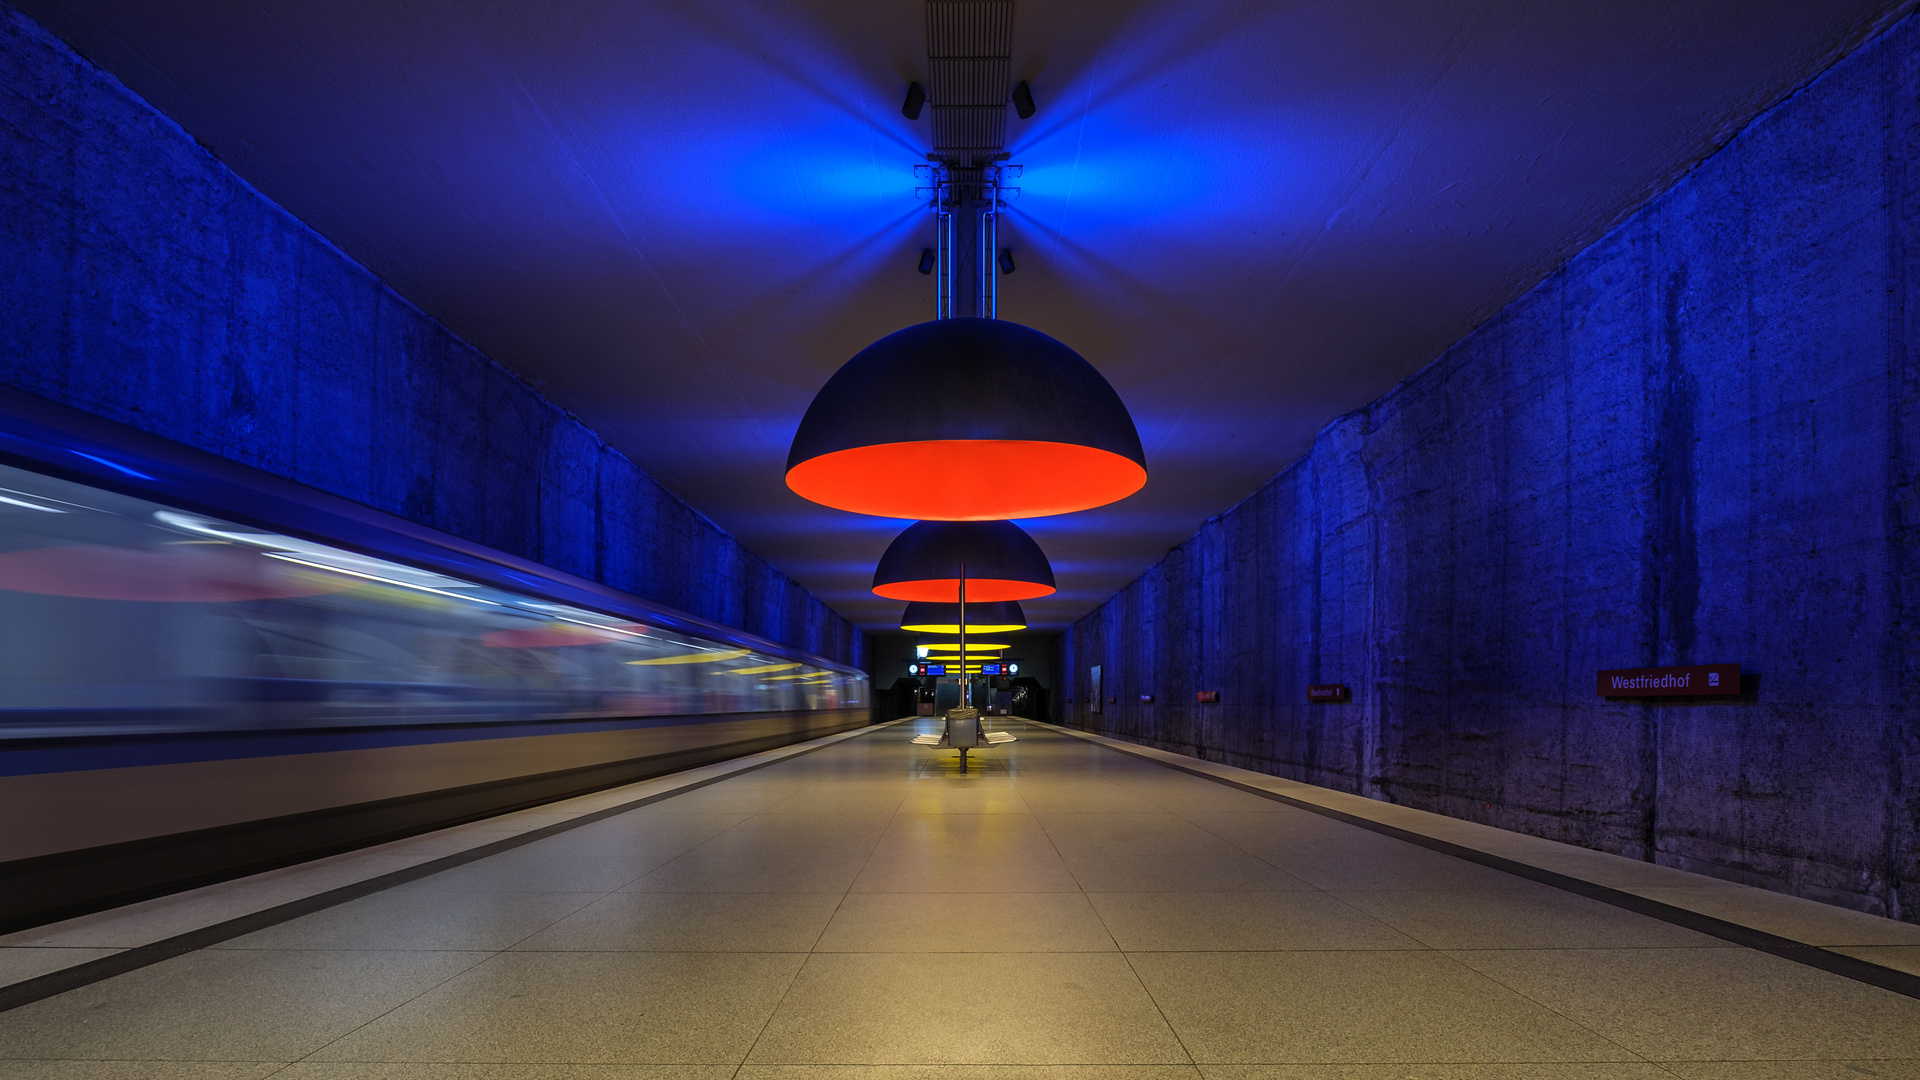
x,y
145,282
1697,442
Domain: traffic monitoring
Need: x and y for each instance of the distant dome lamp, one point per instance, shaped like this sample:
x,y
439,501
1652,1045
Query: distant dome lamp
x,y
924,617
997,560
1024,427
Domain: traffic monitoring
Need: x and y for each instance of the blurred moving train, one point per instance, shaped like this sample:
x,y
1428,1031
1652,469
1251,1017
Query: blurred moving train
x,y
206,671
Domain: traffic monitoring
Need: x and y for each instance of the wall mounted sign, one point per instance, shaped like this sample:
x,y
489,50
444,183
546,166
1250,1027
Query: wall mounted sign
x,y
1329,692
1207,697
1093,700
1146,699
1697,680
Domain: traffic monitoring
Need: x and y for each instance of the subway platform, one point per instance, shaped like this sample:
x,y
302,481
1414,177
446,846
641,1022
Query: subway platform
x,y
1067,908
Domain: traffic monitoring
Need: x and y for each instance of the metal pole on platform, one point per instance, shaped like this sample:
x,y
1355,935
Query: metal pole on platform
x,y
966,680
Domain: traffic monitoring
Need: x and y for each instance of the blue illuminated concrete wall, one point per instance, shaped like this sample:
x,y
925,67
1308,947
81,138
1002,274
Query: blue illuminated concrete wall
x,y
143,281
1697,442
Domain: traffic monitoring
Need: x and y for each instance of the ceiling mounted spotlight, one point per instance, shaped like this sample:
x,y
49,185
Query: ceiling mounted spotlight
x,y
927,259
996,559
1023,101
1006,260
916,97
933,618
1027,428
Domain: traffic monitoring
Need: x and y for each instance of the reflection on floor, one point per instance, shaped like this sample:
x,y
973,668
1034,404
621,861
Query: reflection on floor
x,y
1061,910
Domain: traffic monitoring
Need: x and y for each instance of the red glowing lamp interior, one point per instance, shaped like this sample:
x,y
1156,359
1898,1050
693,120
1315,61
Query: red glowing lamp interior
x,y
947,590
967,480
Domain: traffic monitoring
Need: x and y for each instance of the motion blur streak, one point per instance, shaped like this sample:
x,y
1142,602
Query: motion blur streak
x,y
124,617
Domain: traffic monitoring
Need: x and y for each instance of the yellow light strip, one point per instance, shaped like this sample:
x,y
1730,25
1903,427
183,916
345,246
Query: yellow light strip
x,y
381,580
595,625
762,669
692,658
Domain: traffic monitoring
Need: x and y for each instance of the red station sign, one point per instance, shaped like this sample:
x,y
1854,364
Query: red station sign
x,y
1697,680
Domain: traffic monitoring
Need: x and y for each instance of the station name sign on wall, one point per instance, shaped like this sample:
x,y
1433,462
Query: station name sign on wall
x,y
1329,692
1698,680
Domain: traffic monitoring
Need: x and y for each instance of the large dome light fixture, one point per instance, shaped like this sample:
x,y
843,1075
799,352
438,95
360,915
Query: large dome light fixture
x,y
997,560
998,617
1019,426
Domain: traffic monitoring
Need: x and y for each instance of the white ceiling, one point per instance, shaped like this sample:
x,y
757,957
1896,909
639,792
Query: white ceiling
x,y
678,217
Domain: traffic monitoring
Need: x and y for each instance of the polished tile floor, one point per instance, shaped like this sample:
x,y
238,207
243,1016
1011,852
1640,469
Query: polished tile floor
x,y
1061,911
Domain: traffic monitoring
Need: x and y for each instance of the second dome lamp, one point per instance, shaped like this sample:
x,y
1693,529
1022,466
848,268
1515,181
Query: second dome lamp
x,y
966,419
997,559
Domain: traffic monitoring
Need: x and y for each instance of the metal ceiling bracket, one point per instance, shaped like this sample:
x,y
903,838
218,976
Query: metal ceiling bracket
x,y
967,204
969,60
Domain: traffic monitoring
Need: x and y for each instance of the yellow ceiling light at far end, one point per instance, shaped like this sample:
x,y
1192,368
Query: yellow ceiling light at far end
x,y
713,656
954,628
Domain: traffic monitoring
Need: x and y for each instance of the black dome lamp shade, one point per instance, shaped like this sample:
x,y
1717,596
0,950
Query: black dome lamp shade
x,y
990,560
1021,426
1001,616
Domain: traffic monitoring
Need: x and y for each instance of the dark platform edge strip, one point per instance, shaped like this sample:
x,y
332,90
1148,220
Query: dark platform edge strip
x,y
59,982
42,889
1834,963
